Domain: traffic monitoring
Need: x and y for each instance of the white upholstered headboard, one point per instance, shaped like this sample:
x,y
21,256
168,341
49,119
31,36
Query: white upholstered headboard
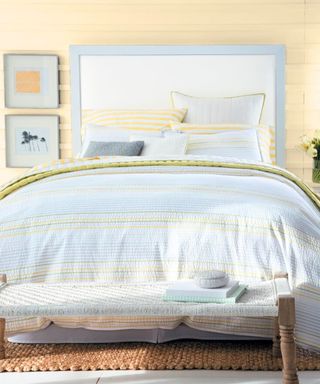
x,y
138,77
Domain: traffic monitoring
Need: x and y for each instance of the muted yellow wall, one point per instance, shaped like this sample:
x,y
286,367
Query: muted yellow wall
x,y
50,26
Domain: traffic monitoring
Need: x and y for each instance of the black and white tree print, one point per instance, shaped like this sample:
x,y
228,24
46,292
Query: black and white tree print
x,y
33,142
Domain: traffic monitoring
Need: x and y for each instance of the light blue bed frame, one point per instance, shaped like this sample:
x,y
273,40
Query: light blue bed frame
x,y
278,51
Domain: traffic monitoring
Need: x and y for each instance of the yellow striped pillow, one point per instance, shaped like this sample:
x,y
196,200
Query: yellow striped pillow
x,y
266,134
138,120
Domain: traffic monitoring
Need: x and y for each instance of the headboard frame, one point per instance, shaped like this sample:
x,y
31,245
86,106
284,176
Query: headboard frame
x,y
138,77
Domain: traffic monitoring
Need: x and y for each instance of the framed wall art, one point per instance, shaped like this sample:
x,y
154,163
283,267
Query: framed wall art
x,y
31,140
31,81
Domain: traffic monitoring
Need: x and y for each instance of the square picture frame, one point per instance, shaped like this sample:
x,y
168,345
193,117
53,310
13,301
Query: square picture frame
x,y
31,140
31,81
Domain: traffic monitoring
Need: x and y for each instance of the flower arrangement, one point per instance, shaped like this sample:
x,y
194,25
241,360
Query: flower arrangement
x,y
311,145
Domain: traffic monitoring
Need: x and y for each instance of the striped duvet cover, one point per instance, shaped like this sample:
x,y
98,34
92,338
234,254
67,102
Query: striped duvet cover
x,y
142,220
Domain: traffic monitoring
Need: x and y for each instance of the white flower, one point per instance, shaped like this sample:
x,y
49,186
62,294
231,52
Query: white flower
x,y
306,141
312,151
317,134
302,147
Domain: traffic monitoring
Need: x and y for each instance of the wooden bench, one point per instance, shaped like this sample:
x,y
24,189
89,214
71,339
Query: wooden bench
x,y
266,299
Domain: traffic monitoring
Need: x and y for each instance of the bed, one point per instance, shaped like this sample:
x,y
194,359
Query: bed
x,y
155,218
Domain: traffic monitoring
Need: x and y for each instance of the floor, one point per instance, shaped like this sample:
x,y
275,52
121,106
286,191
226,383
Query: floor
x,y
153,377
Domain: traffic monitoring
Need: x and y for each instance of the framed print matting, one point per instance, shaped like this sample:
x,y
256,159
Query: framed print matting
x,y
31,81
31,140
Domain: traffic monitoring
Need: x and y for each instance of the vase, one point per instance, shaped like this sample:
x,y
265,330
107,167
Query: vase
x,y
316,171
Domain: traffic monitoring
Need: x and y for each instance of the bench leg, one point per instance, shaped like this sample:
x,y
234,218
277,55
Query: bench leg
x,y
287,341
2,341
276,352
3,279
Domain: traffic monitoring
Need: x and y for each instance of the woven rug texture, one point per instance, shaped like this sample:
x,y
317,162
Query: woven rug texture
x,y
172,355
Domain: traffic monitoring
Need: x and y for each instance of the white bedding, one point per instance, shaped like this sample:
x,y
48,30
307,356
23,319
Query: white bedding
x,y
163,221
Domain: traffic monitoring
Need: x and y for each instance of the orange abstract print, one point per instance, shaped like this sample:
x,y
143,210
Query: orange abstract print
x,y
28,82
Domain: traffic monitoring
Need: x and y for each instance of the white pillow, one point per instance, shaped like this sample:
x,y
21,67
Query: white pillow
x,y
265,135
220,110
102,133
237,144
158,146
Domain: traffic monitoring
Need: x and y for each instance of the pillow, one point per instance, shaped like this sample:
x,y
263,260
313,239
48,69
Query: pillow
x,y
265,135
99,133
154,146
220,110
139,120
114,148
238,144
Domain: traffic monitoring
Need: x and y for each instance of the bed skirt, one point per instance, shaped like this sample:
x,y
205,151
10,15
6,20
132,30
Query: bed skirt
x,y
56,334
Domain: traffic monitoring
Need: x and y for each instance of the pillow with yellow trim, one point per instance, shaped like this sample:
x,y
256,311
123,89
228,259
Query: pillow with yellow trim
x,y
245,109
236,144
137,120
265,135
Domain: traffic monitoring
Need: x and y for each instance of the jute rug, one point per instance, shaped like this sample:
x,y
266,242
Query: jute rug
x,y
173,355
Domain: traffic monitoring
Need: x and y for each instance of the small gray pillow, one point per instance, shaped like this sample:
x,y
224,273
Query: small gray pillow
x,y
114,148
